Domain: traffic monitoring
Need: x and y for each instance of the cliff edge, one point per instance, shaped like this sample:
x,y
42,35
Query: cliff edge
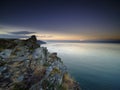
x,y
25,65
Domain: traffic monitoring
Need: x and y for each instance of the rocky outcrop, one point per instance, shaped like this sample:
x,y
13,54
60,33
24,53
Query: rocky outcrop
x,y
28,66
7,44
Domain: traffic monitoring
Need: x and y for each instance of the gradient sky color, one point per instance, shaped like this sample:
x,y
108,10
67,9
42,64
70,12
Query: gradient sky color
x,y
60,19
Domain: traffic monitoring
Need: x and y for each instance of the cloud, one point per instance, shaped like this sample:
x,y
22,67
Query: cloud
x,y
12,36
1,27
14,32
21,32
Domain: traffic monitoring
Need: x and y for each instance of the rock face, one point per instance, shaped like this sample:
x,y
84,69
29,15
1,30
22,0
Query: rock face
x,y
28,66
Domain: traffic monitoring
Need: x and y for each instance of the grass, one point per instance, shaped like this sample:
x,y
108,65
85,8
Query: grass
x,y
55,71
46,64
38,73
68,82
39,70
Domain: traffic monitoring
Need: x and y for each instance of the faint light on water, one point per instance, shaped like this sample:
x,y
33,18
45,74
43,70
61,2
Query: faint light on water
x,y
95,66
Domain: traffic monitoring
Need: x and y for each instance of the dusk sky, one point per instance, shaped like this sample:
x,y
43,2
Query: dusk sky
x,y
60,19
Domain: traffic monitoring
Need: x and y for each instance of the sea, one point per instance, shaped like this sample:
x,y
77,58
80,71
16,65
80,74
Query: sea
x,y
96,66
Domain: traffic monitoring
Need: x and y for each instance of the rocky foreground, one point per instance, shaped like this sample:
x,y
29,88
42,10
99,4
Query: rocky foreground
x,y
24,65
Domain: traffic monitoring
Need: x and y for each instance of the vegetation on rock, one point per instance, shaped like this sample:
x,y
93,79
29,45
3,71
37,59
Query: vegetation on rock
x,y
24,65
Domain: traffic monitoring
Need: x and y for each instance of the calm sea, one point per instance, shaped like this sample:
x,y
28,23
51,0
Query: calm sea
x,y
95,66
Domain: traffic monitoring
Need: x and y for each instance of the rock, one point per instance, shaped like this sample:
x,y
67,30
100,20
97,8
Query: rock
x,y
19,51
38,53
2,69
7,44
48,71
7,75
6,53
58,79
2,62
32,42
32,39
20,78
53,55
27,66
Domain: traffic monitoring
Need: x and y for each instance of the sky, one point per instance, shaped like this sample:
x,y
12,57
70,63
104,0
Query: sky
x,y
60,19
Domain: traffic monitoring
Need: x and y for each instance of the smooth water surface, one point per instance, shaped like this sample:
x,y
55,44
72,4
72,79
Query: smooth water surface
x,y
95,66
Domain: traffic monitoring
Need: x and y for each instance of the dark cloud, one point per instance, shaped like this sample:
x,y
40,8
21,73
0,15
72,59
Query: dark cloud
x,y
22,32
12,36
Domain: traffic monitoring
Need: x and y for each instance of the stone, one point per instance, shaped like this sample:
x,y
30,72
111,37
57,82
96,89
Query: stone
x,y
3,68
2,62
7,44
32,42
20,78
38,53
7,75
48,70
6,53
58,79
32,39
53,55
30,66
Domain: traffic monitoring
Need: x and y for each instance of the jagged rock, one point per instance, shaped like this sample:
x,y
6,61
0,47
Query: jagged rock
x,y
38,53
7,44
7,75
2,62
2,69
53,55
28,66
6,53
20,51
32,39
32,42
20,78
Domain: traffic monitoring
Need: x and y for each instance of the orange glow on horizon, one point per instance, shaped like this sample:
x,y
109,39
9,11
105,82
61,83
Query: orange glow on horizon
x,y
68,36
75,37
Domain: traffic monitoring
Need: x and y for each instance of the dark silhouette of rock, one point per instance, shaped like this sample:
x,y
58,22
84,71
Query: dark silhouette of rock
x,y
7,44
32,42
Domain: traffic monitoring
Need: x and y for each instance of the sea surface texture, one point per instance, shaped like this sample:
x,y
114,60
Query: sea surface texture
x,y
95,65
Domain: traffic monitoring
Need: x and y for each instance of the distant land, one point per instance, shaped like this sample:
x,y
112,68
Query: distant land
x,y
12,39
41,42
85,41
